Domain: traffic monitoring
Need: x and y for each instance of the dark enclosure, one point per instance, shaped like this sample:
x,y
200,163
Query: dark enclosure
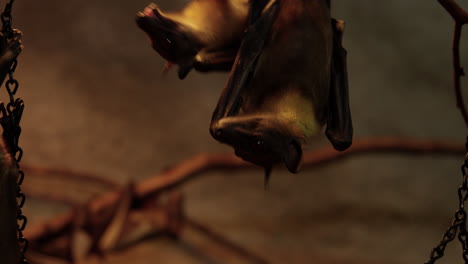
x,y
96,102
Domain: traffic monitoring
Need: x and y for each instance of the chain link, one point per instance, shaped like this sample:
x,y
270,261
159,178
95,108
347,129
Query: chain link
x,y
10,117
7,20
459,221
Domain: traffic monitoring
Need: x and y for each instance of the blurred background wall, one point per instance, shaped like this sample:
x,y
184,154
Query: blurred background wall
x,y
96,101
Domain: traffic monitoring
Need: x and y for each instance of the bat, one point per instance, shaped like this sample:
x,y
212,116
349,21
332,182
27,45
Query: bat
x,y
289,79
275,101
205,35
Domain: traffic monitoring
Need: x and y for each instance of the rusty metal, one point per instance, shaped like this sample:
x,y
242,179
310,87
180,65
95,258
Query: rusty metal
x,y
10,121
459,222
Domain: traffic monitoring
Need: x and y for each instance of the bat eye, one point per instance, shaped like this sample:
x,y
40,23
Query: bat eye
x,y
258,145
168,40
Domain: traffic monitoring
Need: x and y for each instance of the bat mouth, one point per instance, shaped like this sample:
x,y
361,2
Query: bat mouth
x,y
249,152
259,159
171,39
152,18
149,10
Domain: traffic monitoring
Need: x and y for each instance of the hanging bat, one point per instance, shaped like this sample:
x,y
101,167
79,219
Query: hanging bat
x,y
204,36
289,79
259,118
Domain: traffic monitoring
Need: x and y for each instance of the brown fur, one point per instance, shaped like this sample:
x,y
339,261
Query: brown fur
x,y
297,60
285,103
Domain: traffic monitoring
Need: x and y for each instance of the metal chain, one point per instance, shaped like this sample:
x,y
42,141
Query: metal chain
x,y
459,221
10,121
7,20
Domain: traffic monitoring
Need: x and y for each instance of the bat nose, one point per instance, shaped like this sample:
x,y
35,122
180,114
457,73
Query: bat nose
x,y
219,133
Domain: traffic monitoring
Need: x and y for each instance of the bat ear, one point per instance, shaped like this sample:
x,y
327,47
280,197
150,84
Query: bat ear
x,y
292,156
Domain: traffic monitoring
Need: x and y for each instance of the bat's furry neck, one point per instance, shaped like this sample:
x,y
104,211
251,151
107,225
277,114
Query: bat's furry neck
x,y
291,108
215,22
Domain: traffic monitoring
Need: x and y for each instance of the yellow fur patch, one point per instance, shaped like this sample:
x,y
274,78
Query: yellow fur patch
x,y
299,110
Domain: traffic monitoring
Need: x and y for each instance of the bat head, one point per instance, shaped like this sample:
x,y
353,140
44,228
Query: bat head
x,y
262,140
170,38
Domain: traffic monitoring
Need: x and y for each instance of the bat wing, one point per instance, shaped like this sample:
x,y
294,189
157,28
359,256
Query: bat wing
x,y
261,18
339,125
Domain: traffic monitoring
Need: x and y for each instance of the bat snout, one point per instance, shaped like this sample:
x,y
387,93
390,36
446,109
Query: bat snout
x,y
223,135
224,130
219,134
